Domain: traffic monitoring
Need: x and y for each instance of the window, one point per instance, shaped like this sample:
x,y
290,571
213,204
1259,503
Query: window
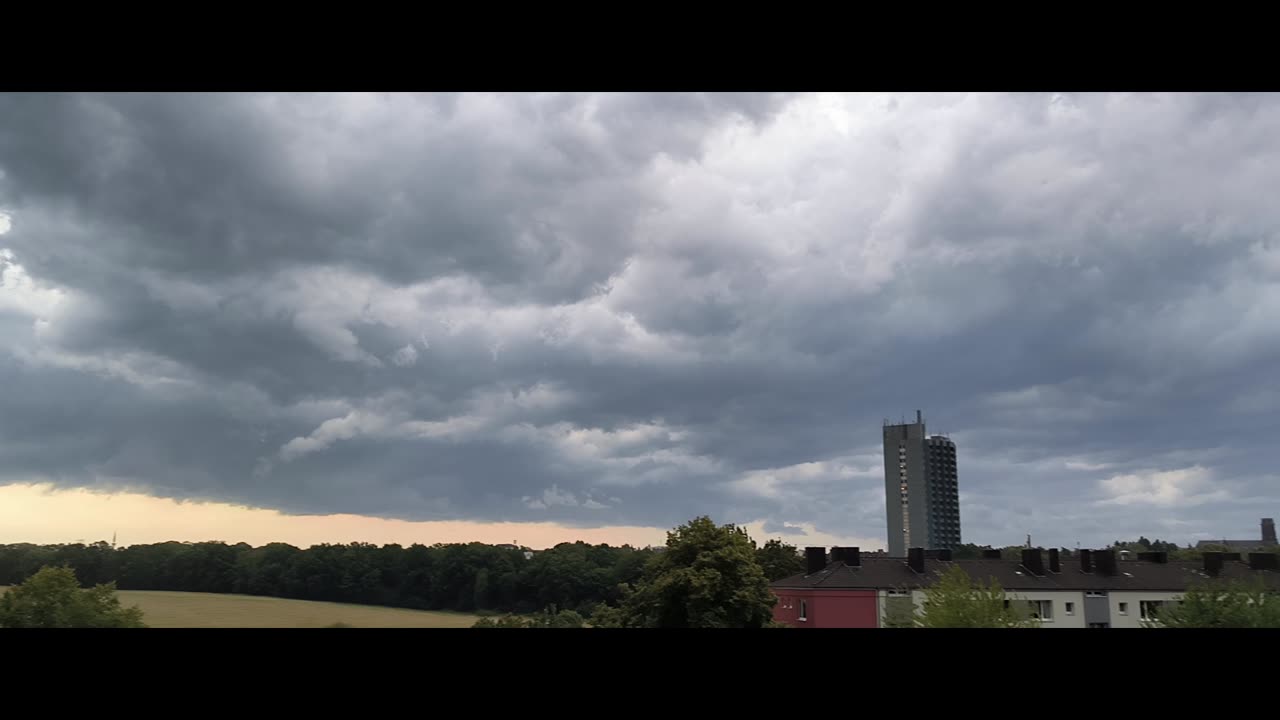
x,y
1069,608
1095,593
1124,608
896,593
1150,609
804,610
1042,610
1097,625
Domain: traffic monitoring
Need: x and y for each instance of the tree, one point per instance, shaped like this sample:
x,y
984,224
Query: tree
x,y
968,551
956,601
707,578
506,621
555,618
1210,604
779,560
482,589
53,598
1012,553
551,617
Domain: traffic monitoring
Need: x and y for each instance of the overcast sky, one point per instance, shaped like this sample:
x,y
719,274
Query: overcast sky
x,y
620,311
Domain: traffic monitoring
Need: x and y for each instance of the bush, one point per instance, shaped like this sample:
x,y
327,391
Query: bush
x,y
53,598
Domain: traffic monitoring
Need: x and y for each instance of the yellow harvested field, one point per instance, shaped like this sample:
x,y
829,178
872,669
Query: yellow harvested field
x,y
211,610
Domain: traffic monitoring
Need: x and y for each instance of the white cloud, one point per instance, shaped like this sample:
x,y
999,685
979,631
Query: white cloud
x,y
551,497
774,483
136,368
1185,487
1085,466
19,292
555,497
406,356
806,534
354,424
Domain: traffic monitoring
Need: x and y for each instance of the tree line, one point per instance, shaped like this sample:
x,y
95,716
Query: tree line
x,y
462,577
471,577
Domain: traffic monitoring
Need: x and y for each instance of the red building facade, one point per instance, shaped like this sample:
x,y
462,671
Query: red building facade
x,y
826,608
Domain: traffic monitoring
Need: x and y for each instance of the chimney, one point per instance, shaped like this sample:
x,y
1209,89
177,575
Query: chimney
x,y
915,559
848,555
1086,561
1235,556
815,559
1264,561
1105,561
1212,563
853,556
1033,562
991,554
1268,531
919,417
1055,565
1159,557
944,554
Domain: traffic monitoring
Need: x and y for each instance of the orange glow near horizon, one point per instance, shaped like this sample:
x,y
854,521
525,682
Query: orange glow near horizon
x,y
41,514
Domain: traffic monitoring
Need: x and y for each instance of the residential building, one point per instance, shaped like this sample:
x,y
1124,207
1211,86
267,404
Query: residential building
x,y
1091,590
1267,540
922,499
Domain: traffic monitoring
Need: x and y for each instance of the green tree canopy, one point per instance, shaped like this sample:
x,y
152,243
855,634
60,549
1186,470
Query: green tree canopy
x,y
552,617
53,598
957,601
707,578
779,560
1223,605
505,621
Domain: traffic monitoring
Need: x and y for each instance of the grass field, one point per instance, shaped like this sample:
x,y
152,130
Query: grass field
x,y
209,610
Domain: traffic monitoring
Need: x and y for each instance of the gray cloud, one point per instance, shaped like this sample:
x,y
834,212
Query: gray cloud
x,y
628,309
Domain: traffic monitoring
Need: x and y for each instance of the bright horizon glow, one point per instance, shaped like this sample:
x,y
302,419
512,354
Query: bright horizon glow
x,y
42,514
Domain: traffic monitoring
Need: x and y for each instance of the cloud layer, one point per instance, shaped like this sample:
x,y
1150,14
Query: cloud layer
x,y
629,309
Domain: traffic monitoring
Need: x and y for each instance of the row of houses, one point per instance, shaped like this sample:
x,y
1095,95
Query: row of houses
x,y
1089,589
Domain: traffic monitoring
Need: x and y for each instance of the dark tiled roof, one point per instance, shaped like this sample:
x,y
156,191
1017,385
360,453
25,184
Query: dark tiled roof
x,y
891,573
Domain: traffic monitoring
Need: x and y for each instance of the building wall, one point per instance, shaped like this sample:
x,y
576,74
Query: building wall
x,y
827,608
1132,617
1059,598
944,494
867,608
911,438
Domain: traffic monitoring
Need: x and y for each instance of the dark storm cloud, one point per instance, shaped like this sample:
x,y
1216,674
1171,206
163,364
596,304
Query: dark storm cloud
x,y
629,309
